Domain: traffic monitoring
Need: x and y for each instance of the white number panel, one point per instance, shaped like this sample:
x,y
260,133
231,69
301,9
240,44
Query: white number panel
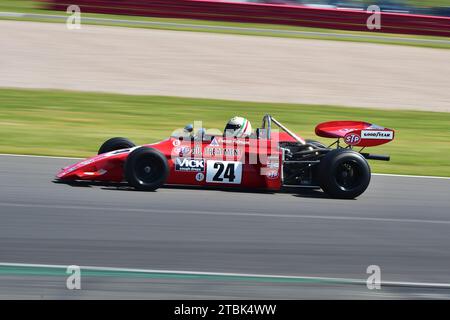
x,y
223,171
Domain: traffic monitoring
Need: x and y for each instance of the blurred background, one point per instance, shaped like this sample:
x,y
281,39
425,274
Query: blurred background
x,y
316,53
432,7
142,68
436,7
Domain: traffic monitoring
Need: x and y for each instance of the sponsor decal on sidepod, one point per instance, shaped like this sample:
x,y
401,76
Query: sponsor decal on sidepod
x,y
190,165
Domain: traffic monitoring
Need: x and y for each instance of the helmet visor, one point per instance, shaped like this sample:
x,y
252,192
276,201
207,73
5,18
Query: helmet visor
x,y
233,127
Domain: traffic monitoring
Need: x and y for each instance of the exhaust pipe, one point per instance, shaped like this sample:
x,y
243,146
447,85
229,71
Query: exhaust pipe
x,y
381,157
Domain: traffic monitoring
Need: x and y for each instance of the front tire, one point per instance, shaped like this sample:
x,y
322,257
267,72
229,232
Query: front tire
x,y
114,144
344,174
146,169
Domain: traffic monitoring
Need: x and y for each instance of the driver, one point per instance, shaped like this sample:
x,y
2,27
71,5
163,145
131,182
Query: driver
x,y
238,127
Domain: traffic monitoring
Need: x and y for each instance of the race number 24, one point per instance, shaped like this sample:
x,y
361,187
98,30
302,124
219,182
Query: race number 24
x,y
223,171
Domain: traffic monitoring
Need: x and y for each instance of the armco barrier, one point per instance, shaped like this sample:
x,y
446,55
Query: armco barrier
x,y
263,13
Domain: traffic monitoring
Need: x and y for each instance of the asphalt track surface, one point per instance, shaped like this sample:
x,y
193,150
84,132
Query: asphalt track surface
x,y
401,224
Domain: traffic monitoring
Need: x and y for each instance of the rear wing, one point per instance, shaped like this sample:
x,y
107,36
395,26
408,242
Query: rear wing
x,y
356,133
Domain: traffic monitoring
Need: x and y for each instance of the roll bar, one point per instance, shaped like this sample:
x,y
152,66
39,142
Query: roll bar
x,y
268,119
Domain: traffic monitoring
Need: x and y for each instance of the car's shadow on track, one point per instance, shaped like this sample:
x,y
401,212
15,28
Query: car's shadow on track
x,y
123,186
89,184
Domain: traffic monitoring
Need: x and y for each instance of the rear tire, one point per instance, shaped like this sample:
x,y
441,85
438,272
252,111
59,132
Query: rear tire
x,y
146,169
344,174
315,143
114,144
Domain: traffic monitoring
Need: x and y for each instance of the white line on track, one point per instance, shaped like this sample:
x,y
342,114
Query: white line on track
x,y
34,156
375,174
227,274
223,213
409,176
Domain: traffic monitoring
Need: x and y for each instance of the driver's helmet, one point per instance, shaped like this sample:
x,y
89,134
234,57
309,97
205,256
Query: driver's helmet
x,y
238,127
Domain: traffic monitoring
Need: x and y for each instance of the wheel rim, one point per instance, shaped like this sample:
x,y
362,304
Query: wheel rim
x,y
147,170
348,175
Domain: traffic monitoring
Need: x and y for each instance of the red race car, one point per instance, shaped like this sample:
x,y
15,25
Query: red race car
x,y
272,158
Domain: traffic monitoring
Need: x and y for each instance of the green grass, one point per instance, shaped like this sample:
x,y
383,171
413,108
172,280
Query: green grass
x,y
428,3
44,122
416,3
27,6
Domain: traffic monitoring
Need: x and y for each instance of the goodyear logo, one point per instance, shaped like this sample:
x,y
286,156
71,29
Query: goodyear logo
x,y
377,134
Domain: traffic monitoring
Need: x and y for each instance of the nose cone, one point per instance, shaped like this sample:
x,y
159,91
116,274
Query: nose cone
x,y
86,169
66,173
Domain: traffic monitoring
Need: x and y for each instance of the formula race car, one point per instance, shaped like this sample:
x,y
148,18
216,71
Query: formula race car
x,y
272,158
